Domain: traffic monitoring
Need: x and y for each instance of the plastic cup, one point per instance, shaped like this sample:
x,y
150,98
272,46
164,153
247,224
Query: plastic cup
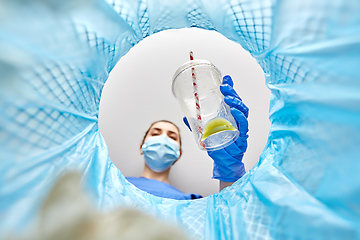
x,y
211,121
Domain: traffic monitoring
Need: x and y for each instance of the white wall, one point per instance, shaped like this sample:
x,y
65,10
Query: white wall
x,y
138,92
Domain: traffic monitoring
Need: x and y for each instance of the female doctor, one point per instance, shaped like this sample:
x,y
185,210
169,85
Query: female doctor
x,y
161,147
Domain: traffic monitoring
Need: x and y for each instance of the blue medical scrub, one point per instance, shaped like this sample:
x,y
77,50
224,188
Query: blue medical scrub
x,y
161,189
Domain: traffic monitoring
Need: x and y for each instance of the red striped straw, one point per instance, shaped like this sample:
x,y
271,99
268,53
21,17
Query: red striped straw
x,y
197,101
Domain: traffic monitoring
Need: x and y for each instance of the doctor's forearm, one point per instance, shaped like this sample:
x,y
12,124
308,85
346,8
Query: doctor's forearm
x,y
223,185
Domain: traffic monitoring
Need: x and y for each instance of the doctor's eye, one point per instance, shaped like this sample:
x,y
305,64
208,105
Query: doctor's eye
x,y
173,137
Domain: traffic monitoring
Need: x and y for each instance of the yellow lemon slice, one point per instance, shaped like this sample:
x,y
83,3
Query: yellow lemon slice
x,y
216,125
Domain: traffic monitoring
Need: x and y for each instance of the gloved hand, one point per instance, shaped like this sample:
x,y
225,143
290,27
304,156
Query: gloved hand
x,y
227,161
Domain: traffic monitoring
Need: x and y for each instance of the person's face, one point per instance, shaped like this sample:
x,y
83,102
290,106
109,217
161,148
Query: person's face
x,y
160,128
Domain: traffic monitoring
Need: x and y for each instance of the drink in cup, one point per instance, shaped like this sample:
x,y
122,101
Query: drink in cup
x,y
196,85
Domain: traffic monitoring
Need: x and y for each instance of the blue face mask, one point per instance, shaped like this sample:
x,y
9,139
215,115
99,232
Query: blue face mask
x,y
160,152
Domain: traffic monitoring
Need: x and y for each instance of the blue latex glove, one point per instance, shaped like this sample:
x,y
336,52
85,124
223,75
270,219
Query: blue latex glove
x,y
228,166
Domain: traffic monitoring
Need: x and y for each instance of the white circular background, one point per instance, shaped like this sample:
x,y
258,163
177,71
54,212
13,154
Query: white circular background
x,y
138,92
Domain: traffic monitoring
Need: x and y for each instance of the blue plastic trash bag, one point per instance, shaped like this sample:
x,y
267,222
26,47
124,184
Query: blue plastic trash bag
x,y
55,57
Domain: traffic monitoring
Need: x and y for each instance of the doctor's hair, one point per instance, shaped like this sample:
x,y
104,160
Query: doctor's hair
x,y
167,121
